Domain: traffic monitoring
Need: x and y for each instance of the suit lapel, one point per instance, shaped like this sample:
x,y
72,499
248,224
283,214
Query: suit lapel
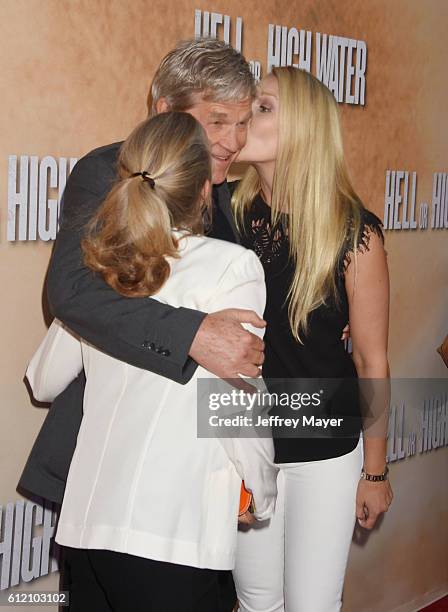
x,y
226,208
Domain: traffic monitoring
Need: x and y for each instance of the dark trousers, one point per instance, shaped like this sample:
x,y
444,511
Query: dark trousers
x,y
107,581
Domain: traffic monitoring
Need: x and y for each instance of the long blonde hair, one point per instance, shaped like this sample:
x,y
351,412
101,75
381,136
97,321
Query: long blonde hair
x,y
312,185
131,235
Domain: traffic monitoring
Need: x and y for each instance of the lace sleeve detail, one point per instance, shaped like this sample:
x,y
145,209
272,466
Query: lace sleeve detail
x,y
370,223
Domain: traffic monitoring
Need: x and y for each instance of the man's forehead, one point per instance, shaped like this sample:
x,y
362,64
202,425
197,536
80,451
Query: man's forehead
x,y
222,107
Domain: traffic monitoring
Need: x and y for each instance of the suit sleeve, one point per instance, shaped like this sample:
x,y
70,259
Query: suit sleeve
x,y
243,286
55,364
140,331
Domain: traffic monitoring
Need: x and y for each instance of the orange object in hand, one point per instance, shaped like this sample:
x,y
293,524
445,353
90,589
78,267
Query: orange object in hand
x,y
246,501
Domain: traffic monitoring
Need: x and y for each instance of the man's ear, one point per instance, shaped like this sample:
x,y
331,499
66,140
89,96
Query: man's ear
x,y
162,106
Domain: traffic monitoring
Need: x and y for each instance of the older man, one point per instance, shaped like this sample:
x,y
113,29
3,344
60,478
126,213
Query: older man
x,y
212,81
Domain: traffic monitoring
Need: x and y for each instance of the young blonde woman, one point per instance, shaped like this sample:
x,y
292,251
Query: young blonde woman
x,y
153,506
325,266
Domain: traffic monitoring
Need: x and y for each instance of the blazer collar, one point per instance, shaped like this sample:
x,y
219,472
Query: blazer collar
x,y
222,195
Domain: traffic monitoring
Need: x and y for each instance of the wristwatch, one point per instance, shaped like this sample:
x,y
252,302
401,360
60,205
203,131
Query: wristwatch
x,y
375,477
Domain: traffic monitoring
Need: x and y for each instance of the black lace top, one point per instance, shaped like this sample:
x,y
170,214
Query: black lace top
x,y
322,354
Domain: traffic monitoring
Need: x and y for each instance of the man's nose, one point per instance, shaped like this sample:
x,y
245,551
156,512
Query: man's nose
x,y
230,140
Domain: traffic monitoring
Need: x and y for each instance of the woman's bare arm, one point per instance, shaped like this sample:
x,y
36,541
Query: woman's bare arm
x,y
367,285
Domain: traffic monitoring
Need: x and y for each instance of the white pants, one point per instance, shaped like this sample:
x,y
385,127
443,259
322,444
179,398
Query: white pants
x,y
296,561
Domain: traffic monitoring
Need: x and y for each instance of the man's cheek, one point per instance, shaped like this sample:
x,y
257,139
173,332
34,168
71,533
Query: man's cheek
x,y
212,134
242,139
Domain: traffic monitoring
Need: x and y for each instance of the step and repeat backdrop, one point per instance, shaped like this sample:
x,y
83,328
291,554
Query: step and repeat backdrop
x,y
75,76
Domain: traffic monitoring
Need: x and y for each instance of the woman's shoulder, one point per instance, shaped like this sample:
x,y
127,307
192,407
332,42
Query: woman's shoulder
x,y
369,224
213,252
207,267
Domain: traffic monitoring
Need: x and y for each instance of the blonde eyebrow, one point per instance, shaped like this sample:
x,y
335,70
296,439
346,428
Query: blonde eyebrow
x,y
267,93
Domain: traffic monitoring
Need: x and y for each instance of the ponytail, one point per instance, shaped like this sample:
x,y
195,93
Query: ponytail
x,y
128,240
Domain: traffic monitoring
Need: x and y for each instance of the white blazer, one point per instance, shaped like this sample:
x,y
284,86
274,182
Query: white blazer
x,y
141,481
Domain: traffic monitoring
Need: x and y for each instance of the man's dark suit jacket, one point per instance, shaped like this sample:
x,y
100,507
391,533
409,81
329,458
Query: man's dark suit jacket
x,y
123,327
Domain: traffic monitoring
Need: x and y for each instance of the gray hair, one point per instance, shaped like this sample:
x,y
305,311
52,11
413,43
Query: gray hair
x,y
203,65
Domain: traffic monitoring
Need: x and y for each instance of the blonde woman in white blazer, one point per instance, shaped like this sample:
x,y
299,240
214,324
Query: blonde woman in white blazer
x,y
141,482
